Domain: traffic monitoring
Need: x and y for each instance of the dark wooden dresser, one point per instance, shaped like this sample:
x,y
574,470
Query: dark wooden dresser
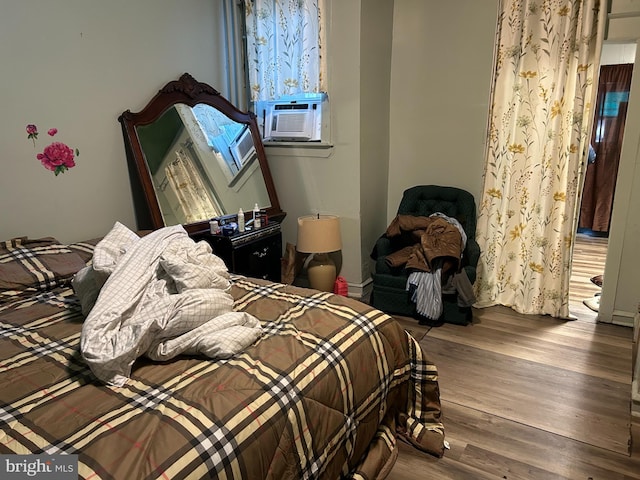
x,y
255,253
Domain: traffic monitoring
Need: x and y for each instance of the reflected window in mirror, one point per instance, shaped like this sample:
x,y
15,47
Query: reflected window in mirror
x,y
230,142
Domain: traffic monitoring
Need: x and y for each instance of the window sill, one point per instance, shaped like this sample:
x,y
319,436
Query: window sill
x,y
299,149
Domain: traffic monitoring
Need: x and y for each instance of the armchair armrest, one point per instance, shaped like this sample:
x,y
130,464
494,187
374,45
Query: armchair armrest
x,y
382,248
385,246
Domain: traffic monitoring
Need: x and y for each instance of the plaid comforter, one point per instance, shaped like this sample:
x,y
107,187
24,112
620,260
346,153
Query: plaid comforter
x,y
323,394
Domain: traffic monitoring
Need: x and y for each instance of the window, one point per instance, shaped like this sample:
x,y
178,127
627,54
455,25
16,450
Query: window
x,y
283,66
283,48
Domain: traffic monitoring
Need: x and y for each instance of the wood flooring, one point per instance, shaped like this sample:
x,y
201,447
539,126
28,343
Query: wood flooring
x,y
532,397
589,255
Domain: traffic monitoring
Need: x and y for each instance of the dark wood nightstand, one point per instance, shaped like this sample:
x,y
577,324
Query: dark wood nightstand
x,y
256,253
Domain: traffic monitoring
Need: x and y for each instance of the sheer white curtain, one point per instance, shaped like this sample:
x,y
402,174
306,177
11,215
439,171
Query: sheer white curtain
x,y
540,121
284,47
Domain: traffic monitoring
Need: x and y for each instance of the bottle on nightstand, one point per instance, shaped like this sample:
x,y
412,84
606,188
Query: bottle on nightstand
x,y
240,220
256,216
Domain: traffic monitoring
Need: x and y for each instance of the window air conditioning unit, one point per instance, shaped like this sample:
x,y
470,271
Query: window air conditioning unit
x,y
296,118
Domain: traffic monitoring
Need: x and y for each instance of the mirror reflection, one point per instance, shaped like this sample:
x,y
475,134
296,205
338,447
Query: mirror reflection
x,y
203,164
194,156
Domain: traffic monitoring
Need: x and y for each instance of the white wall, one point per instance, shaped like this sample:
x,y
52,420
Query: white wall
x,y
77,65
623,20
615,53
375,80
328,181
440,88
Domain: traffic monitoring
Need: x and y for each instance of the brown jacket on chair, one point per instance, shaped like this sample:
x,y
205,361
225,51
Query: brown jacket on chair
x,y
428,238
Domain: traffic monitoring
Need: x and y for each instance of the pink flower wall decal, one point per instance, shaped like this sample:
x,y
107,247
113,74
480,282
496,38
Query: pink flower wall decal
x,y
32,133
57,156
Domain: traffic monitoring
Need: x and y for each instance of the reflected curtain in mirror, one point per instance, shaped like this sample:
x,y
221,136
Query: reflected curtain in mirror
x,y
190,196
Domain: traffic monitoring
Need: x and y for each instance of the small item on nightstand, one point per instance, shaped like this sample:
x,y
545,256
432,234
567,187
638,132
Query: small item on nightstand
x,y
229,229
214,227
257,221
240,220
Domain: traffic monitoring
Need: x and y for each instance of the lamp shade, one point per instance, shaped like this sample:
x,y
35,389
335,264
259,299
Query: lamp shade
x,y
318,234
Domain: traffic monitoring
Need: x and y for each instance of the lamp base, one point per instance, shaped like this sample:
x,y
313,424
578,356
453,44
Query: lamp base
x,y
322,272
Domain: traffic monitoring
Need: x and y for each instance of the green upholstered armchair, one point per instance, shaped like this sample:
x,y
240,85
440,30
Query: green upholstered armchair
x,y
389,283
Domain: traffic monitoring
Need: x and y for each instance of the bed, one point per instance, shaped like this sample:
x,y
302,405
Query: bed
x,y
326,391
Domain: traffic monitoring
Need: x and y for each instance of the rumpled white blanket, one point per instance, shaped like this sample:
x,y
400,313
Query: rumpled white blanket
x,y
163,295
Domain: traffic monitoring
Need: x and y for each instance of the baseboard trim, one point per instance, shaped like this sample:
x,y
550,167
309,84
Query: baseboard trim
x,y
625,319
361,291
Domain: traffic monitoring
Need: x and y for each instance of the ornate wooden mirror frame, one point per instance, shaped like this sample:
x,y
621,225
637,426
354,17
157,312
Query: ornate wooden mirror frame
x,y
185,91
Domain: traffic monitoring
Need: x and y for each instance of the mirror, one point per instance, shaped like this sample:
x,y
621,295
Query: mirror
x,y
194,156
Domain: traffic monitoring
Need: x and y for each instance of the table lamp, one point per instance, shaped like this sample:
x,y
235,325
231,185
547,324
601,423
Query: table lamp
x,y
319,235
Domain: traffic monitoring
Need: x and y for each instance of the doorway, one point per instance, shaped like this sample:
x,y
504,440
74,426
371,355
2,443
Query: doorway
x,y
601,176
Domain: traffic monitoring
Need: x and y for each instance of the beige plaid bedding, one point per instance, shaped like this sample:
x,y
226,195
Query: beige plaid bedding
x,y
324,393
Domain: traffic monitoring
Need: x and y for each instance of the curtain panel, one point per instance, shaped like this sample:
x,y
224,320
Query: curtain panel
x,y
539,130
284,47
608,129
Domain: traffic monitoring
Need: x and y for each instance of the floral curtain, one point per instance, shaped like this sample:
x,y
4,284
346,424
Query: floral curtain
x,y
545,72
284,47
